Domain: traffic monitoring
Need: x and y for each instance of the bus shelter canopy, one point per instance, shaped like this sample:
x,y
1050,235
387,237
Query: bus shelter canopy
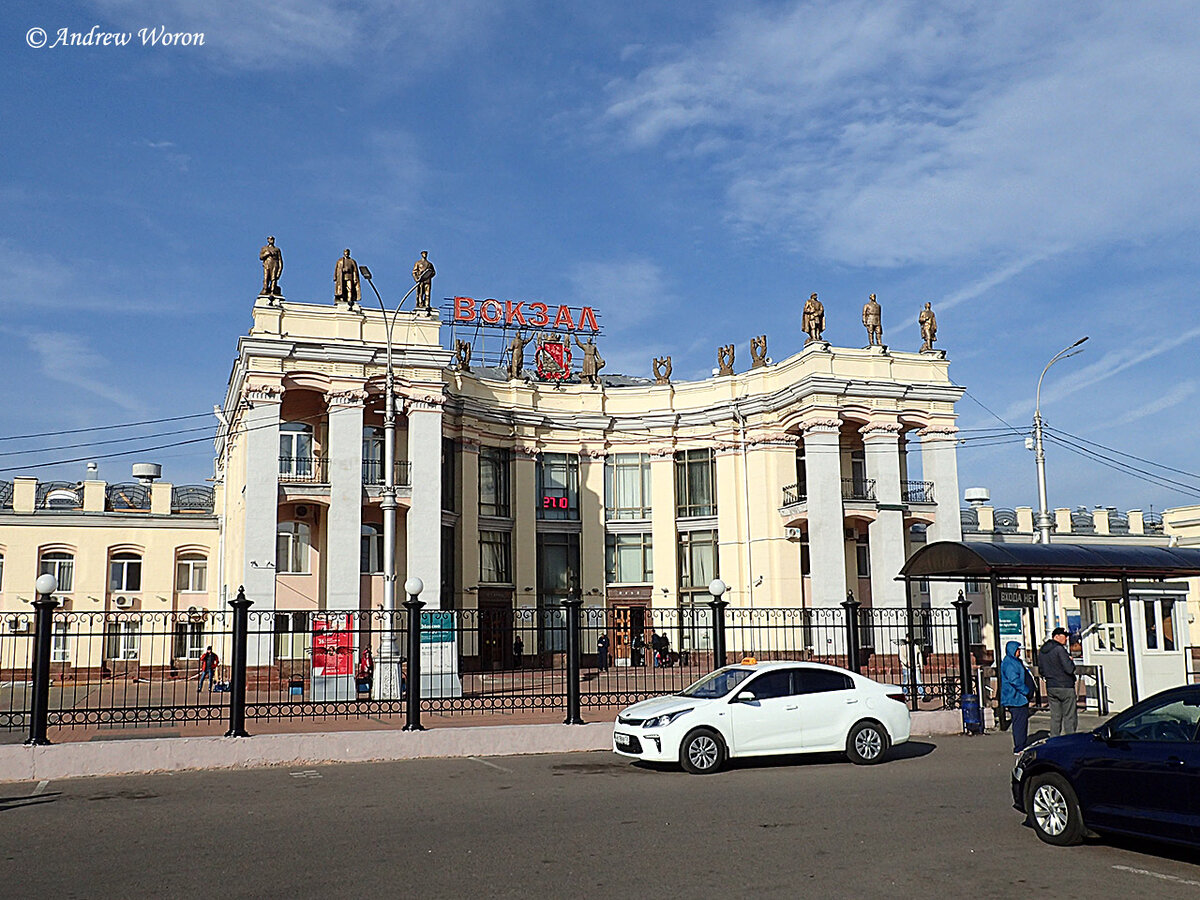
x,y
954,560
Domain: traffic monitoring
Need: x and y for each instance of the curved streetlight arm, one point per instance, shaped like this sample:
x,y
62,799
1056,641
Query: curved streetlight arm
x,y
1065,353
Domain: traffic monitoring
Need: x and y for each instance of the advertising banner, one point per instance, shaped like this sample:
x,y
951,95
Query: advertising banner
x,y
439,655
333,657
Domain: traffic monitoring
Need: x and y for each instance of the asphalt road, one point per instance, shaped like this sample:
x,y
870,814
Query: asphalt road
x,y
936,822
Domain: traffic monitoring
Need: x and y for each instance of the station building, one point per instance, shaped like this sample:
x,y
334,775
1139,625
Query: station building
x,y
795,482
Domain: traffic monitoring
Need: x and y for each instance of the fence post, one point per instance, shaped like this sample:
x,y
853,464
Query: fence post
x,y
43,627
572,604
850,605
237,681
963,620
718,604
412,696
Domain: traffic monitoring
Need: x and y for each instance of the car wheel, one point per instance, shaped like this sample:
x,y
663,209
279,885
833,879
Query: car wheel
x,y
866,744
702,752
1053,810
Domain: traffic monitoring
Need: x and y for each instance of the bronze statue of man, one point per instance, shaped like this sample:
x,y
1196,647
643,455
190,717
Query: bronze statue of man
x,y
516,362
928,322
812,322
873,321
346,285
423,273
593,362
272,263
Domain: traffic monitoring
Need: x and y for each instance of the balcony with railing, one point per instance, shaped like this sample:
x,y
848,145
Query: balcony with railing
x,y
313,469
794,493
372,472
858,489
917,491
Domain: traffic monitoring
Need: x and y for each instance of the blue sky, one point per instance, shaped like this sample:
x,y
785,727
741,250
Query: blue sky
x,y
693,170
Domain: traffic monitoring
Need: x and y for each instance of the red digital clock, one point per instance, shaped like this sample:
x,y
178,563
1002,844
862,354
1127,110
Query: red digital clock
x,y
554,503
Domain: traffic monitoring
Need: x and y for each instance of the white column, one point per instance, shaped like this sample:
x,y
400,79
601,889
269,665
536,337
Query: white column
x,y
344,522
260,425
886,533
423,525
826,541
939,464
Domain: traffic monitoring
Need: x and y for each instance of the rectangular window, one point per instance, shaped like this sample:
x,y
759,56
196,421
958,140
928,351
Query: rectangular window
x,y
627,486
971,586
58,643
976,624
292,541
191,574
557,561
291,635
558,487
697,559
61,566
1167,631
121,639
801,474
695,483
1151,624
494,468
495,557
862,556
629,558
189,640
449,482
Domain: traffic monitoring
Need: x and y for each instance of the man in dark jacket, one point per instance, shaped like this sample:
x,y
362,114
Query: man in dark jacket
x,y
1057,667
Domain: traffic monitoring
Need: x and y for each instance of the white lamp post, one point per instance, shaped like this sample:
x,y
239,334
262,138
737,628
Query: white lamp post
x,y
1044,522
387,682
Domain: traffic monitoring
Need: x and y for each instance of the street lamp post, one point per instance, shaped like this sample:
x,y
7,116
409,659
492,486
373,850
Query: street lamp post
x,y
386,685
1044,522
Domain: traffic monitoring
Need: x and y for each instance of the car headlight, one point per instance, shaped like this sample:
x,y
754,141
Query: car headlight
x,y
665,719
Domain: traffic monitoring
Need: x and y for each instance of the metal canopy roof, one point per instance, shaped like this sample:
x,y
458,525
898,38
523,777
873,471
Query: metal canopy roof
x,y
956,559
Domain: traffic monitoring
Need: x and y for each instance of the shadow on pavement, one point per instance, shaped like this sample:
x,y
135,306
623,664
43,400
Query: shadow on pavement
x,y
7,803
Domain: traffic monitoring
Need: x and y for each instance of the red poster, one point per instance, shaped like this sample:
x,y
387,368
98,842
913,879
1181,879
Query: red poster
x,y
333,645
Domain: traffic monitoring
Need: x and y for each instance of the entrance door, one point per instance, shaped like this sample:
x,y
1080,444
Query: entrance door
x,y
1104,623
495,633
630,644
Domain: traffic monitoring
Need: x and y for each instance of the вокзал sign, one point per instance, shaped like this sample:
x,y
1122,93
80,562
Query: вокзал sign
x,y
508,314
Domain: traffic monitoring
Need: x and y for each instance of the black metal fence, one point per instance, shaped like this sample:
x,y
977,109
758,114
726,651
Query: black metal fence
x,y
141,669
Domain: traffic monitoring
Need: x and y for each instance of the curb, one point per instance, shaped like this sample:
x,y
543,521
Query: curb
x,y
144,756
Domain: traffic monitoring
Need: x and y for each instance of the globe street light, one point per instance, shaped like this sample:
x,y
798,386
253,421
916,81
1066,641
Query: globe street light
x,y
1044,521
387,685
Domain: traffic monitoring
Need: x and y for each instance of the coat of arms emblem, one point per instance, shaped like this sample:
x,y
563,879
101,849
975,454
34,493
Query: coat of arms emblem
x,y
552,357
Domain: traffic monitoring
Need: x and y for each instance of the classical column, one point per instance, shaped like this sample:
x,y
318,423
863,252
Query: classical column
x,y
591,522
344,523
939,463
886,533
664,536
826,540
424,522
260,427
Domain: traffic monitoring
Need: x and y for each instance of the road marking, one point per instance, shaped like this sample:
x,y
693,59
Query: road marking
x,y
41,786
307,773
1159,875
490,765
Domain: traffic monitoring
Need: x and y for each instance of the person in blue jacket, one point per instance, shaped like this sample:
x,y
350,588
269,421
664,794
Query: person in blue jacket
x,y
1016,689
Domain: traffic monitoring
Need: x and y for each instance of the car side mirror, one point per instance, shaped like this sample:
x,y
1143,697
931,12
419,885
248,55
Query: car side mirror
x,y
745,697
1103,733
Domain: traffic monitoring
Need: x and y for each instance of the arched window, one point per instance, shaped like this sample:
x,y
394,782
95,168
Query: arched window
x,y
61,565
295,449
125,572
372,455
292,542
191,573
371,562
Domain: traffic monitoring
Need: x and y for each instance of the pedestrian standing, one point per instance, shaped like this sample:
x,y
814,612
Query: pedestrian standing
x,y
518,651
1017,688
602,652
1057,667
208,669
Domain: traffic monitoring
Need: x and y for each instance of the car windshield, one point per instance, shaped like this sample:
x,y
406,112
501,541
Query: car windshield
x,y
717,684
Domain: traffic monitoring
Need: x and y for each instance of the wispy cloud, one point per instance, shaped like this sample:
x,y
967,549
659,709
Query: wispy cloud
x,y
907,133
70,359
1174,397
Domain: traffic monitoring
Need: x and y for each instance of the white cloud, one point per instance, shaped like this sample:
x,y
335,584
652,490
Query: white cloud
x,y
69,359
1178,394
920,133
627,291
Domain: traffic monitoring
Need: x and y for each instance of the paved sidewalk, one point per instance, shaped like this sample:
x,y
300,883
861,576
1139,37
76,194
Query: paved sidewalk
x,y
80,753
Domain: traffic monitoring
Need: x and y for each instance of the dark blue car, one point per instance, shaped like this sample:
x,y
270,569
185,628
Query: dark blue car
x,y
1138,774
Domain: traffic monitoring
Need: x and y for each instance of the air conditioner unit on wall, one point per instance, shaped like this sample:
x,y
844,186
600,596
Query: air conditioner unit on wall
x,y
851,534
302,511
123,602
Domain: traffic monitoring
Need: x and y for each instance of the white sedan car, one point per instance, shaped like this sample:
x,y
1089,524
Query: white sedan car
x,y
763,709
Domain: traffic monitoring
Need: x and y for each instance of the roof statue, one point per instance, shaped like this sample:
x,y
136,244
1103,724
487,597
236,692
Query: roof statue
x,y
593,362
928,322
725,359
872,319
812,322
272,263
423,272
346,286
662,370
758,351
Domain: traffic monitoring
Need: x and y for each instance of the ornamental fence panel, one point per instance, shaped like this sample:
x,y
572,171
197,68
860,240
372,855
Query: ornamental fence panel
x,y
134,668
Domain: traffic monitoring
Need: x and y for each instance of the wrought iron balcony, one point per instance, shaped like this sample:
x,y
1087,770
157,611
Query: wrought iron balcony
x,y
858,488
372,472
794,493
917,491
312,469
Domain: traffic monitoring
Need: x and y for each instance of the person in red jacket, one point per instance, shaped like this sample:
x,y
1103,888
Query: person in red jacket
x,y
208,669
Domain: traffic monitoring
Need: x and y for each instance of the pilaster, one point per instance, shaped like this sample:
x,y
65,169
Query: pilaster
x,y
260,427
591,520
826,543
524,536
424,521
939,462
886,533
662,525
343,584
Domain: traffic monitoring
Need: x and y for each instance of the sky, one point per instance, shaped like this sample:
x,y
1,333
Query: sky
x,y
691,170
